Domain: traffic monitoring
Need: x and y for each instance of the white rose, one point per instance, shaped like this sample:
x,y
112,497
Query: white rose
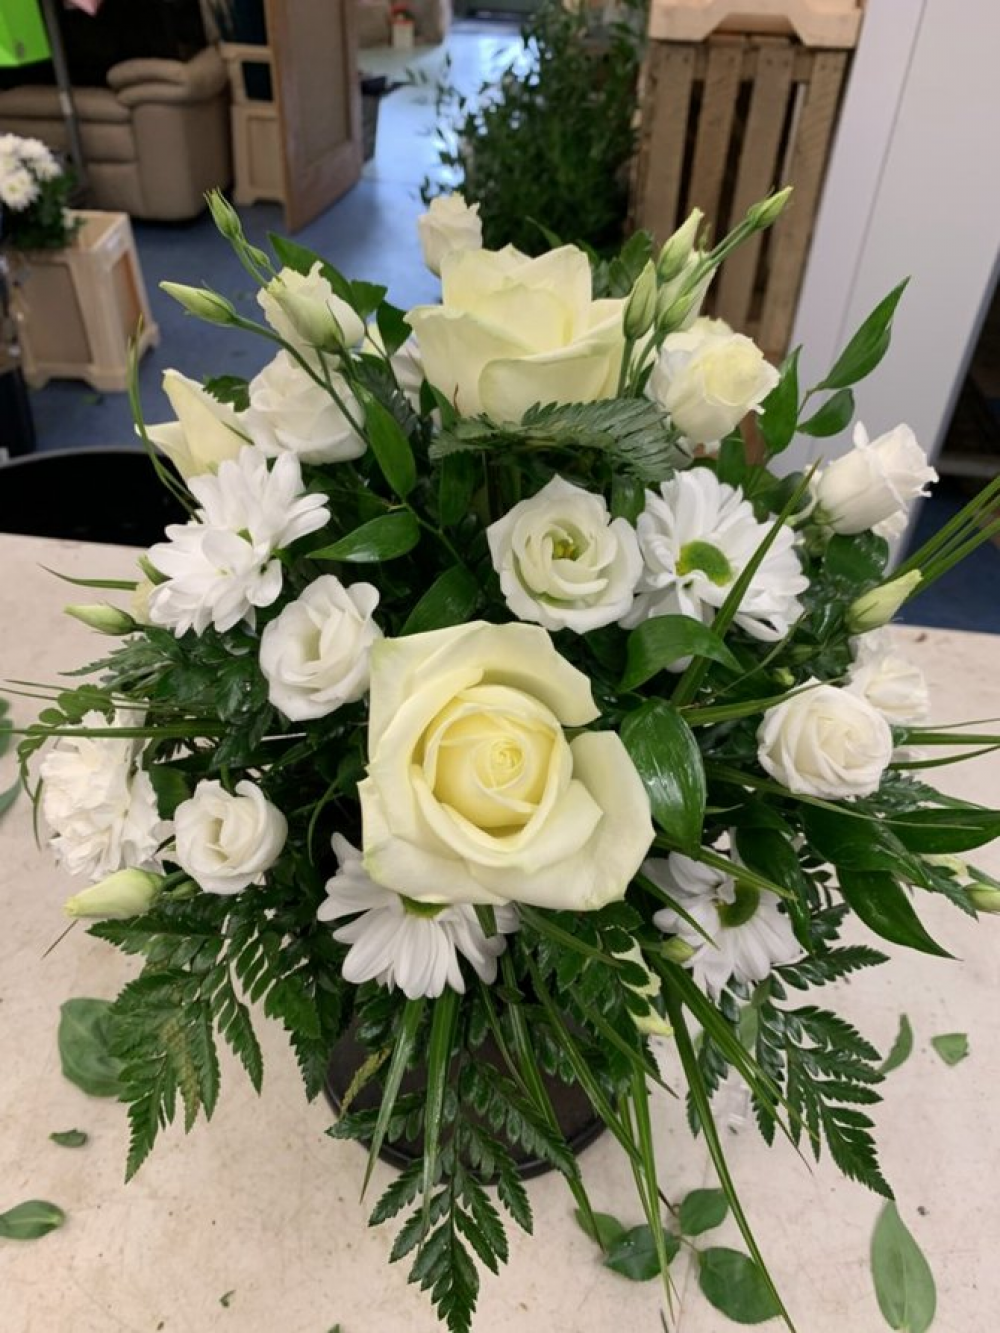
x,y
708,378
825,741
474,794
226,842
562,561
315,653
290,413
206,432
449,224
875,482
513,331
890,683
303,310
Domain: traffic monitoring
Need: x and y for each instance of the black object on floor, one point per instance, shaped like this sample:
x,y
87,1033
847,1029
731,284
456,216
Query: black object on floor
x,y
17,427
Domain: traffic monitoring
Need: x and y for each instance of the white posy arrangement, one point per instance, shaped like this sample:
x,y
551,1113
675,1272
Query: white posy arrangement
x,y
497,707
34,192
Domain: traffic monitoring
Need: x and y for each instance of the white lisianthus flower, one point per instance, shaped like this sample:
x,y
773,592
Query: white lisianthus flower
x,y
562,561
449,224
398,942
219,567
18,189
825,741
474,793
708,378
513,331
99,804
750,933
206,432
225,841
303,310
890,682
315,653
290,413
696,537
875,483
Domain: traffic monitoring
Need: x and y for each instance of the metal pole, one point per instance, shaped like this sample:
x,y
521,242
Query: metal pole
x,y
51,16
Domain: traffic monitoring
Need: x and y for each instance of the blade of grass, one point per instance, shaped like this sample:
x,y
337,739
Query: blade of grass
x,y
405,1038
444,1023
647,1182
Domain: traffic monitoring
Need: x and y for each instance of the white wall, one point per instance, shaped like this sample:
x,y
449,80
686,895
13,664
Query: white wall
x,y
913,189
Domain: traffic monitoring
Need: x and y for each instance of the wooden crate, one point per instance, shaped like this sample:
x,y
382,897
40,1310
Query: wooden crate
x,y
722,122
814,22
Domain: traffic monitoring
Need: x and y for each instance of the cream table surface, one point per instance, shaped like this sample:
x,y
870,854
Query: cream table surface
x,y
263,1206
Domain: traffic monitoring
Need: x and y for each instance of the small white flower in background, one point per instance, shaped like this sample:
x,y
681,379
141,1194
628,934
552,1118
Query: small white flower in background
x,y
219,567
562,561
449,224
18,189
206,432
225,841
875,483
396,942
750,933
696,536
290,413
303,310
708,378
825,741
889,682
99,804
315,653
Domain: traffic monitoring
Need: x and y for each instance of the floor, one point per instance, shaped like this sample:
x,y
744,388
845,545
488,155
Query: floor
x,y
370,234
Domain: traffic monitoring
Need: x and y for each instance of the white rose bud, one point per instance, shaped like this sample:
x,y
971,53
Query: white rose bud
x,y
708,378
303,310
225,842
876,481
449,224
290,413
123,894
202,302
825,742
103,617
206,431
877,607
315,653
890,683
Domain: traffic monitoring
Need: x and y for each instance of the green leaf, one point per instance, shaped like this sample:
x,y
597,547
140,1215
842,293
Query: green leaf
x,y
69,1138
702,1210
382,538
450,600
666,755
8,797
231,389
832,417
956,829
657,643
735,1285
456,485
780,409
904,1284
392,327
444,1025
866,843
391,447
628,497
171,787
953,1047
858,559
406,1032
868,346
902,1047
633,1254
600,1227
885,908
84,1047
29,1220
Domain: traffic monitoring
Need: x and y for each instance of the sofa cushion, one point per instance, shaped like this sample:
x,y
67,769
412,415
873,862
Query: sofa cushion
x,y
33,101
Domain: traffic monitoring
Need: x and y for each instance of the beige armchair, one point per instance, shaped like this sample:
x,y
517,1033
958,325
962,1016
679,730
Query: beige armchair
x,y
155,139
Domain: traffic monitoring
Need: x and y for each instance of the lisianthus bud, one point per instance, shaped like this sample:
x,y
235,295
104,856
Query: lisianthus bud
x,y
677,248
103,617
640,308
224,215
202,302
123,894
676,950
984,897
768,210
877,607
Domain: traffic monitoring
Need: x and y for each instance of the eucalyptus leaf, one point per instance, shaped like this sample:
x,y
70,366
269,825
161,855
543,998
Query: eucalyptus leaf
x,y
904,1284
902,1047
953,1047
664,640
450,600
666,755
634,1256
868,346
382,538
391,447
69,1138
885,908
736,1286
31,1219
702,1210
84,1047
600,1227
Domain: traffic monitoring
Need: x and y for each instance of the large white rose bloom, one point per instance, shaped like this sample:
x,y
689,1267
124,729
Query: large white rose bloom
x,y
890,682
562,561
749,932
315,653
98,803
474,793
513,331
696,537
875,484
708,378
449,224
290,413
825,741
225,841
303,310
206,432
400,943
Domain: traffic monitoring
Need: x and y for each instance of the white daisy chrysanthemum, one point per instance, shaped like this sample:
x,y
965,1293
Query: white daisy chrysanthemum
x,y
750,933
396,942
219,567
18,189
696,536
